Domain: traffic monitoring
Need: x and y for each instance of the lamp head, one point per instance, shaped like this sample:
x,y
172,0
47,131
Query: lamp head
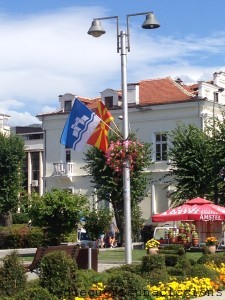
x,y
150,22
96,29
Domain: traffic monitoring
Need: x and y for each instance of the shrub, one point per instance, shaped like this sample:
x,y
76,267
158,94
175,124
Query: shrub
x,y
16,236
178,272
87,277
20,218
126,285
156,276
217,258
58,274
37,293
131,268
167,251
174,247
183,262
12,275
3,235
34,238
70,237
204,258
201,271
151,262
171,260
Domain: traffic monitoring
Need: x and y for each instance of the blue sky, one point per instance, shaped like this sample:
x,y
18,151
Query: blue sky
x,y
45,50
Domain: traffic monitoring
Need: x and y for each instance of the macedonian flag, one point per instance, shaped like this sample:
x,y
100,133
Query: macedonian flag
x,y
99,137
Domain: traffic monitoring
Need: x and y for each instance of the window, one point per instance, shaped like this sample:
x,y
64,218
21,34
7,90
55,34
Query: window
x,y
35,136
108,102
67,105
216,97
68,155
161,146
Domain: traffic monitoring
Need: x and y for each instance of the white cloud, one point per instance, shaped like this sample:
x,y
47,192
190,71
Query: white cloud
x,y
21,119
43,56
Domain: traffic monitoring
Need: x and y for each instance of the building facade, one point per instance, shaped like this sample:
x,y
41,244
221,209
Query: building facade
x,y
4,125
154,107
33,170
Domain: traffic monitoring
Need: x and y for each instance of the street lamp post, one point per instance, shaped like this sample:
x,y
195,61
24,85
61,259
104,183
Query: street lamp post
x,y
123,45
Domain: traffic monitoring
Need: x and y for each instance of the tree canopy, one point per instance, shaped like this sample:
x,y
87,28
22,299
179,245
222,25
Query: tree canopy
x,y
58,211
106,171
11,159
197,159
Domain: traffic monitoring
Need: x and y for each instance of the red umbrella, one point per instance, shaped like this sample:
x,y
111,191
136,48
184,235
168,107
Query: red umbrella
x,y
197,209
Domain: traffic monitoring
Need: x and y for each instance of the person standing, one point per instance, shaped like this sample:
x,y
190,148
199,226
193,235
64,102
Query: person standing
x,y
112,233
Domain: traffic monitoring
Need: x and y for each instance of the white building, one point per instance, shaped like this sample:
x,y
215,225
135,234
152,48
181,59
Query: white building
x,y
155,106
33,137
4,125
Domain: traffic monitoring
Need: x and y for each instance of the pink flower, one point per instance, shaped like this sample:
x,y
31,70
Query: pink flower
x,y
118,150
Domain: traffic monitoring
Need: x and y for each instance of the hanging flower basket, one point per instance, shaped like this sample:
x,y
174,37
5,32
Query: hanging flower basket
x,y
117,151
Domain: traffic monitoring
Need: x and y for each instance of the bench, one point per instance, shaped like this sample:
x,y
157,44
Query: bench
x,y
85,257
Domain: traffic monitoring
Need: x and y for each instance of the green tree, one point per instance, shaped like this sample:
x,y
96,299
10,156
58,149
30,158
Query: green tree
x,y
97,222
11,159
58,211
197,158
108,179
216,130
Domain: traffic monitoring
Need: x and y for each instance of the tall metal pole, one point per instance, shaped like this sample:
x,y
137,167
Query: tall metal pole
x,y
126,165
123,44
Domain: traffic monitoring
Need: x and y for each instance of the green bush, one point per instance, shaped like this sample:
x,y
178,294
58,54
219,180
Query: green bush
x,y
183,262
16,236
156,276
34,238
70,237
167,251
12,275
37,293
171,260
131,268
192,261
20,218
21,236
202,271
178,272
126,285
85,278
58,274
175,247
151,262
217,258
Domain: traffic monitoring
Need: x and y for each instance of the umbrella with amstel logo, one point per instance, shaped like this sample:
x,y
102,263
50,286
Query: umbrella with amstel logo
x,y
197,209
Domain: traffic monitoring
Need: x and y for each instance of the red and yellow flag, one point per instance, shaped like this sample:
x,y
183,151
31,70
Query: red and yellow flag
x,y
99,137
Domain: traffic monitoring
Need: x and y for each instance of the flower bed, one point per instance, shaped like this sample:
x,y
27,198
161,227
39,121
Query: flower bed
x,y
188,289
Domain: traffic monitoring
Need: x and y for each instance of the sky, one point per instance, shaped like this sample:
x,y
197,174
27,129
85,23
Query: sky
x,y
45,50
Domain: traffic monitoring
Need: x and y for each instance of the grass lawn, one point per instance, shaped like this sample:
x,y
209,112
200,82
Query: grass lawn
x,y
116,255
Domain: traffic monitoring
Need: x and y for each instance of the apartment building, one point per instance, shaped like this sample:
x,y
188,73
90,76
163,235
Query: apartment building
x,y
33,170
154,107
4,125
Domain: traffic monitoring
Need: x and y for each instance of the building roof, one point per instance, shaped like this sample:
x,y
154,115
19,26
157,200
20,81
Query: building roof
x,y
151,92
163,91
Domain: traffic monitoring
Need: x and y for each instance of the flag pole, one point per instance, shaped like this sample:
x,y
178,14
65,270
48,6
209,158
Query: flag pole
x,y
117,133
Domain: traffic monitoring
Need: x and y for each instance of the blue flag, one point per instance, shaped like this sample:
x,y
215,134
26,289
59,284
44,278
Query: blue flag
x,y
79,126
